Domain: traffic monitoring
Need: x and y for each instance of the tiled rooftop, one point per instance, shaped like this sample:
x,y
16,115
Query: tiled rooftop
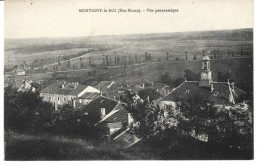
x,y
220,94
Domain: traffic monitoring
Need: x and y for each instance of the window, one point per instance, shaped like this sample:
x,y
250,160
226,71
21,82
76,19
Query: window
x,y
64,98
58,98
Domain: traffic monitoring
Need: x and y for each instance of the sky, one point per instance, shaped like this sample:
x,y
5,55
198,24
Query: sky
x,y
61,18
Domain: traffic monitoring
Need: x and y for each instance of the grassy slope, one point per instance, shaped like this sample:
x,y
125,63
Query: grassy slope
x,y
44,147
240,68
156,44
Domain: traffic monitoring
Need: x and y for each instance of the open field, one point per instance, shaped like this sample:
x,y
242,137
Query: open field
x,y
16,51
240,70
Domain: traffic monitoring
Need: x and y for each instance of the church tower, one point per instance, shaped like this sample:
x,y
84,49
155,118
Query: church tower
x,y
205,77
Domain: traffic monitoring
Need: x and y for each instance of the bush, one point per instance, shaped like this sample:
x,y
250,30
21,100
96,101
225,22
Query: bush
x,y
25,111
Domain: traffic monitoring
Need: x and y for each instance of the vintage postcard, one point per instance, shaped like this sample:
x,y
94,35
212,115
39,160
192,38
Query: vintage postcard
x,y
128,80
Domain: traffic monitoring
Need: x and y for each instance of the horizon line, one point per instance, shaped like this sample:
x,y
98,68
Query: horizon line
x,y
127,34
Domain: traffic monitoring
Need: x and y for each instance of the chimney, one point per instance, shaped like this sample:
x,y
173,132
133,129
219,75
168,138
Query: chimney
x,y
102,112
114,97
148,99
75,86
74,103
143,85
130,120
211,88
62,86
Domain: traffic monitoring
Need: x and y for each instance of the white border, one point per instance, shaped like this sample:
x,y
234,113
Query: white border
x,y
154,163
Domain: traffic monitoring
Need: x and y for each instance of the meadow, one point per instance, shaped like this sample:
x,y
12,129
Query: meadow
x,y
19,50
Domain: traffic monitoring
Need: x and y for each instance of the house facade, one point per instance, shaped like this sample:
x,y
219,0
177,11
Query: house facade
x,y
62,93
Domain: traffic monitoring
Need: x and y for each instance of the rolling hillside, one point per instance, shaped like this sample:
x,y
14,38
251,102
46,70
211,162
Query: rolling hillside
x,y
16,51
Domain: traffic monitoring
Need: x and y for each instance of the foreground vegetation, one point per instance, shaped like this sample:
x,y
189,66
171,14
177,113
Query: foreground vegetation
x,y
48,147
194,129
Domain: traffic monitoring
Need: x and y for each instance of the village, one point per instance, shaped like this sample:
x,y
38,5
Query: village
x,y
129,80
104,104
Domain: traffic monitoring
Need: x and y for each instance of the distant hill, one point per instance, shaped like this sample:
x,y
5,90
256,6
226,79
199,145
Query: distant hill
x,y
18,50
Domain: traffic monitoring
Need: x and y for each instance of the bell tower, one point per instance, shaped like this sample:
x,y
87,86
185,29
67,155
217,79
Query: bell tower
x,y
205,77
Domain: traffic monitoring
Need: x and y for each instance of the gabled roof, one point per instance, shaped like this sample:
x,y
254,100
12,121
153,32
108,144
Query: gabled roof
x,y
52,88
69,89
89,95
78,89
64,91
119,116
98,103
220,94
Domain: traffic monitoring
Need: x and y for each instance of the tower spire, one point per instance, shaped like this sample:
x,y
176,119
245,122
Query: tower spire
x,y
205,78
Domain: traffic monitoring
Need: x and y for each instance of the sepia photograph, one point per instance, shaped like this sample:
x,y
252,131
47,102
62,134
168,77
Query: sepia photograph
x,y
128,80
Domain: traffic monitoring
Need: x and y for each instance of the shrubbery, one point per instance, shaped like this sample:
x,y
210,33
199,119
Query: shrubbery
x,y
25,112
195,123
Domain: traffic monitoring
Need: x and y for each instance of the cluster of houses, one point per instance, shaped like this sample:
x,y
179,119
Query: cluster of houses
x,y
104,98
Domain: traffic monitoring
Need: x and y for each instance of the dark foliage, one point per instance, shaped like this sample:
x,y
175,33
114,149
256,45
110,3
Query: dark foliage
x,y
151,93
209,132
25,111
